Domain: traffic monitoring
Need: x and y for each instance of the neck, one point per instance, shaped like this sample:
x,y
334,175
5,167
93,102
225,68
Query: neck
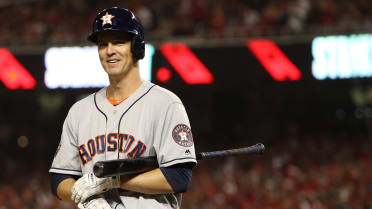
x,y
122,87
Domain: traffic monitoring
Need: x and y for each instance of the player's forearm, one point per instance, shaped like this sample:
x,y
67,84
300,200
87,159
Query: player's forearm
x,y
151,182
64,189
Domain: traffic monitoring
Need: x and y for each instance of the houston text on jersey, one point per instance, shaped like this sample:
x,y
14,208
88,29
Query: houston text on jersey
x,y
111,142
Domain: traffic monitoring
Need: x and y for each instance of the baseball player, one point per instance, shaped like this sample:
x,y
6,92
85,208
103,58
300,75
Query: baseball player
x,y
130,118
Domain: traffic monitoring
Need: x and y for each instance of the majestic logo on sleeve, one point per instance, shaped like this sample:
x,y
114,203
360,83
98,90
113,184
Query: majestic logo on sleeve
x,y
182,135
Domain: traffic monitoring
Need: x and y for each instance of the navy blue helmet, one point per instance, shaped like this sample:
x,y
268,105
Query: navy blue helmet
x,y
120,19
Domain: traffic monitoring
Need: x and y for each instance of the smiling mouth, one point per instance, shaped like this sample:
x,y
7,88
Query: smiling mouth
x,y
112,61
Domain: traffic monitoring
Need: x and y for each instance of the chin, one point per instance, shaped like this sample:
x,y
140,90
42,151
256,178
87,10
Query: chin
x,y
113,71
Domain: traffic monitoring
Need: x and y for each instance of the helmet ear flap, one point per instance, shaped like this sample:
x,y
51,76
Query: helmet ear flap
x,y
137,48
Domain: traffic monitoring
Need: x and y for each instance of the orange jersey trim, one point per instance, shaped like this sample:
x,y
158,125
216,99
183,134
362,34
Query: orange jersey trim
x,y
115,101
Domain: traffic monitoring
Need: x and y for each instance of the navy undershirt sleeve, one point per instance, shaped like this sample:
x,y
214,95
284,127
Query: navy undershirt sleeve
x,y
178,176
57,178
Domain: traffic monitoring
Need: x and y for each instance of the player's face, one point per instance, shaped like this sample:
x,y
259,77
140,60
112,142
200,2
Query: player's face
x,y
114,52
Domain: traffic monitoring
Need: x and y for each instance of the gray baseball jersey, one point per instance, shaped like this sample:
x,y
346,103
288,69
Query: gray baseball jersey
x,y
152,121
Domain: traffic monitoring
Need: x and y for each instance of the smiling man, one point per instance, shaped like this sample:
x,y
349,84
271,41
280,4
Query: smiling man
x,y
130,118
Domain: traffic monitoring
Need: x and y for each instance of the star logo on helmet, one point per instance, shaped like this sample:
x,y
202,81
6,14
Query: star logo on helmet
x,y
107,19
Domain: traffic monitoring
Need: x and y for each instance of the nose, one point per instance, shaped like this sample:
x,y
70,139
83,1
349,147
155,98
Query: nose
x,y
110,49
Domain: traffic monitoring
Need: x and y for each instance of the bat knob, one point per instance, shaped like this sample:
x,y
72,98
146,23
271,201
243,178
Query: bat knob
x,y
98,169
261,148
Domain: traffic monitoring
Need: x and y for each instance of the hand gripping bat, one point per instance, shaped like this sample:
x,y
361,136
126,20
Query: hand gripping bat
x,y
129,166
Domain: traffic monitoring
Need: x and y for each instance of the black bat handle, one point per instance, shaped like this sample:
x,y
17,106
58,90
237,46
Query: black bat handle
x,y
255,149
126,166
129,166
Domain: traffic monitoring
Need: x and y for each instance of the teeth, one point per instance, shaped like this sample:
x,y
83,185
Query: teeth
x,y
112,61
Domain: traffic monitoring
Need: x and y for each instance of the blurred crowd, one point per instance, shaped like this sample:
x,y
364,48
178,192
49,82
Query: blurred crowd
x,y
33,22
324,171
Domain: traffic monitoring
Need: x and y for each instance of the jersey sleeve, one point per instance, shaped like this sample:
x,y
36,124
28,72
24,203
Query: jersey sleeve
x,y
174,142
66,159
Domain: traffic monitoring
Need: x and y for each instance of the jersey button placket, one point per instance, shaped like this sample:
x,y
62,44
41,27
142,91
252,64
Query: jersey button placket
x,y
109,129
113,123
113,128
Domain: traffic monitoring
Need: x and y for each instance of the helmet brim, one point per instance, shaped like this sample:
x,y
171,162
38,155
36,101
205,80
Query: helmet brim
x,y
94,36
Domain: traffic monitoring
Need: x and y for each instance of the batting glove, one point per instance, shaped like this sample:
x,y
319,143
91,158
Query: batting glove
x,y
97,203
89,185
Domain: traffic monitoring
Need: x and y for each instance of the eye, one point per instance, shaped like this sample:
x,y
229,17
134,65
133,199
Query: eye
x,y
102,44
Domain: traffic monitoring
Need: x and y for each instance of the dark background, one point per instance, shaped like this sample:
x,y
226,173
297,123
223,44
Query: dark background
x,y
243,99
303,124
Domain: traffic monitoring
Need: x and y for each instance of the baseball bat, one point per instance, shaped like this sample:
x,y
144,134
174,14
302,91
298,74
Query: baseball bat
x,y
130,166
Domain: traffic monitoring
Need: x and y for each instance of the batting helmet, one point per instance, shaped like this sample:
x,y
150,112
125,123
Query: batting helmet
x,y
119,19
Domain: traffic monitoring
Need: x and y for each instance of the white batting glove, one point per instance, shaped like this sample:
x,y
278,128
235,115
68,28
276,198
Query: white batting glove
x,y
97,203
89,185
